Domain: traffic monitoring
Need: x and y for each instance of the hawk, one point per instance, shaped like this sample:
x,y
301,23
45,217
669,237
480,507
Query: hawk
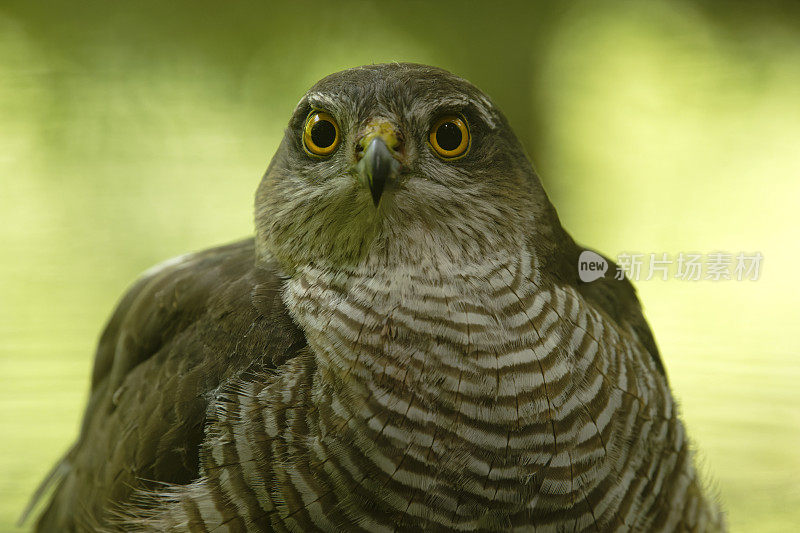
x,y
404,345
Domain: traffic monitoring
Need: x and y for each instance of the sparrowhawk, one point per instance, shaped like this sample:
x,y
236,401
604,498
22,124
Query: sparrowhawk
x,y
405,345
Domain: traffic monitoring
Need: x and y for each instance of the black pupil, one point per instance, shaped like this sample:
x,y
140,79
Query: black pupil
x,y
323,133
449,136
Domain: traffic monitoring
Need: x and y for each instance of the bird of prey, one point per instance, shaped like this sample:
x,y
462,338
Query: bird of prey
x,y
404,345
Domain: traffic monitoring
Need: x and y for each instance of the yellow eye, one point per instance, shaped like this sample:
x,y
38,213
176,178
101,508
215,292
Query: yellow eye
x,y
450,137
321,134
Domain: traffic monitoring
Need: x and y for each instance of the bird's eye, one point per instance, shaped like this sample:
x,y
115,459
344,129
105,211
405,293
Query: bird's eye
x,y
321,134
450,137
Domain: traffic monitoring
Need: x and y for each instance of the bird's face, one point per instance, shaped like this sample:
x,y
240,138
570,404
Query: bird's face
x,y
395,164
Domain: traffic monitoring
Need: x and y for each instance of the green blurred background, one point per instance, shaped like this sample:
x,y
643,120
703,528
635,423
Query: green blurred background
x,y
131,132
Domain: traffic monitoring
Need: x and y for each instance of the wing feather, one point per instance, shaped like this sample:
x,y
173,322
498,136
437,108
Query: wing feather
x,y
179,334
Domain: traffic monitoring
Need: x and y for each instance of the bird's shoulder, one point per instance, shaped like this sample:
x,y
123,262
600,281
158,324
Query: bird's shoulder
x,y
181,332
218,296
614,298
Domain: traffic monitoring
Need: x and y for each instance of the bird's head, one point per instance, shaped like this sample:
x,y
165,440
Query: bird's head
x,y
396,164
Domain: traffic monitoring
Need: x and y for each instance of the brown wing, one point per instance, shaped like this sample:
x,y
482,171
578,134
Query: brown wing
x,y
178,335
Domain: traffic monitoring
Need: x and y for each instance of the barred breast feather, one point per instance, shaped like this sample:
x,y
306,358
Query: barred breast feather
x,y
487,400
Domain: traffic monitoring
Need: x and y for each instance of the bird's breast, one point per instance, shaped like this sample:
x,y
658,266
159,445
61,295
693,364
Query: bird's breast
x,y
488,386
486,355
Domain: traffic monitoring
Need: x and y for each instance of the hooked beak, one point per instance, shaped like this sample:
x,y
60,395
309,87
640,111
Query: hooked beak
x,y
378,164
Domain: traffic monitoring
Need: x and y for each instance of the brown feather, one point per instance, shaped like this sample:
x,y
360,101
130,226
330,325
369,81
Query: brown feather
x,y
176,337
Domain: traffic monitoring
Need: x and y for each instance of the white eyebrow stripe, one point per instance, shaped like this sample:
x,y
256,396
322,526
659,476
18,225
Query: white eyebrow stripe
x,y
485,110
322,100
481,104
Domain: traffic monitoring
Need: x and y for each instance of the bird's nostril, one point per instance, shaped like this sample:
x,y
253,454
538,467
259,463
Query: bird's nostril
x,y
400,144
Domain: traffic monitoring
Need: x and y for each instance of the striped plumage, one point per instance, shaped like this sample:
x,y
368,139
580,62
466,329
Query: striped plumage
x,y
418,383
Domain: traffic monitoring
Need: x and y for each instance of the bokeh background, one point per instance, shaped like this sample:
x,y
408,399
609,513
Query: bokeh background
x,y
131,132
